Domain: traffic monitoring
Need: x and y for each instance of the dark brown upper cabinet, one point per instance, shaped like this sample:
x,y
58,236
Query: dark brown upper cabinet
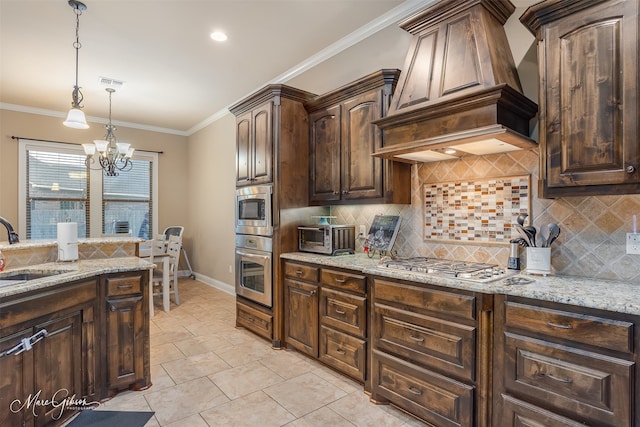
x,y
342,140
588,60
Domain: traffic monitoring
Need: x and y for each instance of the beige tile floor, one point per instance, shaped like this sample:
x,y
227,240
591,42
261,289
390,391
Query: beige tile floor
x,y
206,372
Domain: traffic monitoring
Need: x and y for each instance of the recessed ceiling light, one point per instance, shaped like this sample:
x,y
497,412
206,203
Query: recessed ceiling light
x,y
218,36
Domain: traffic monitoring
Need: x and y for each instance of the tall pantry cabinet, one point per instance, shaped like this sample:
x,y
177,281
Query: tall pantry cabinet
x,y
272,148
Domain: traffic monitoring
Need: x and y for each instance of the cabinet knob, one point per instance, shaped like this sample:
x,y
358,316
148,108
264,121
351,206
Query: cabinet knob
x,y
112,307
630,169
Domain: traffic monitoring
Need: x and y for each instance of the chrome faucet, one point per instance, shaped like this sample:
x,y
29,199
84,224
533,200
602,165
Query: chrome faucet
x,y
13,236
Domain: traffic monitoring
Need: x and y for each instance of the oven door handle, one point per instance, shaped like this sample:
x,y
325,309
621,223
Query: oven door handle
x,y
254,256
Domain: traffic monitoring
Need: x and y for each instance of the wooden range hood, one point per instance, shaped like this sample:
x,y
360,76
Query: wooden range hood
x,y
459,89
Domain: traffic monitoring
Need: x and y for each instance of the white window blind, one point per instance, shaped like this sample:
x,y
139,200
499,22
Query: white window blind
x,y
57,190
127,202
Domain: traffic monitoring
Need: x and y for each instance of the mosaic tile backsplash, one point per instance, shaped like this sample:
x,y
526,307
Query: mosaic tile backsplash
x,y
591,243
479,211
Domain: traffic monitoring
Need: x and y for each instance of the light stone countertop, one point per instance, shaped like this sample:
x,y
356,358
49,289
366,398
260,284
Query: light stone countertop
x,y
63,272
32,244
623,297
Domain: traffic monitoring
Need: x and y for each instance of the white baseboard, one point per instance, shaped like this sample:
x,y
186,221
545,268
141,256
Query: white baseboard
x,y
224,287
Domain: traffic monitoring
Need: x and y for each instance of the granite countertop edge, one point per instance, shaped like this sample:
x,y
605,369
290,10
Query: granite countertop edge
x,y
617,296
64,272
33,244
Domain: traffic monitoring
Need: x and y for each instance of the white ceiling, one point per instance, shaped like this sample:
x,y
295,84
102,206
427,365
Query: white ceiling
x,y
176,78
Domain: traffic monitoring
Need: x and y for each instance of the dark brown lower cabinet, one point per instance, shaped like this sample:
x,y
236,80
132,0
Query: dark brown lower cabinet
x,y
96,343
127,327
326,316
431,351
560,365
57,367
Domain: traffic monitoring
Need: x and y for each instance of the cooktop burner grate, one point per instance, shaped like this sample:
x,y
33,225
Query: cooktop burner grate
x,y
475,271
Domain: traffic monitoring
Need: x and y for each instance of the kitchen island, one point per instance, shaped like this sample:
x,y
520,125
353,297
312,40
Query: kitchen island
x,y
73,333
519,350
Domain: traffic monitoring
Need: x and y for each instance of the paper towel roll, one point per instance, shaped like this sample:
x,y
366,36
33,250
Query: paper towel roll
x,y
67,241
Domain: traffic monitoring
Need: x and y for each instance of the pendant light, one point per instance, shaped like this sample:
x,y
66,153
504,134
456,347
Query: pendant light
x,y
75,118
113,156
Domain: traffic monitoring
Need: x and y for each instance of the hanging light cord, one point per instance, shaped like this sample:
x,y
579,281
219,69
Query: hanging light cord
x,y
77,95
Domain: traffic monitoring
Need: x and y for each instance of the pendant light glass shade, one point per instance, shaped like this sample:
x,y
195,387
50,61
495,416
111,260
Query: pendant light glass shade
x,y
76,119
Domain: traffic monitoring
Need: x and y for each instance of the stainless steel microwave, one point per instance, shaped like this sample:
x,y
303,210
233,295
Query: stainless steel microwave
x,y
327,239
253,210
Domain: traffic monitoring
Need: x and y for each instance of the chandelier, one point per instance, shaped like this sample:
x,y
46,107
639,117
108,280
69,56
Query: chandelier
x,y
113,156
75,118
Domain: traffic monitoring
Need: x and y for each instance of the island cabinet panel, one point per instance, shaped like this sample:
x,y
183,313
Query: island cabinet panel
x,y
431,351
127,329
565,364
588,63
61,365
326,316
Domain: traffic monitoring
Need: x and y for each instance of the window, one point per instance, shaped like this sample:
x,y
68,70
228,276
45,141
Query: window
x,y
58,187
127,202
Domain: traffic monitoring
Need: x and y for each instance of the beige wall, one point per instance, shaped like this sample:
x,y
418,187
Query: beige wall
x,y
211,175
172,164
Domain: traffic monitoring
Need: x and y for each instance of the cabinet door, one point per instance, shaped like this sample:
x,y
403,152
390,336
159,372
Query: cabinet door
x,y
361,172
262,144
58,365
324,155
16,381
125,341
301,316
243,149
591,73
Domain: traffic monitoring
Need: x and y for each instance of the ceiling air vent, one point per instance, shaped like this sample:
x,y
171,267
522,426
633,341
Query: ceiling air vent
x,y
107,82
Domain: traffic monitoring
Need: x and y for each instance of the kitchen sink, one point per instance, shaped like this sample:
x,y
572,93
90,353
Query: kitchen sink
x,y
21,277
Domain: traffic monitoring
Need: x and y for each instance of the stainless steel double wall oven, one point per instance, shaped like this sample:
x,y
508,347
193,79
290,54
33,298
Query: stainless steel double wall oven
x,y
254,243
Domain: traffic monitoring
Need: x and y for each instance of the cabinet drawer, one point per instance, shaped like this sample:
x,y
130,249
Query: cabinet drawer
x,y
301,271
344,352
434,398
254,320
347,281
606,333
438,344
517,413
124,285
422,298
593,387
343,311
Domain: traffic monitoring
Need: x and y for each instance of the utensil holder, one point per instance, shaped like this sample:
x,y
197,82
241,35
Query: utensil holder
x,y
538,261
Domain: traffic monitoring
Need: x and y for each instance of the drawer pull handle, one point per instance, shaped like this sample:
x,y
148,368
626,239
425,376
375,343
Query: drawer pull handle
x,y
561,380
417,339
338,311
309,294
557,325
125,286
339,280
414,390
299,272
340,351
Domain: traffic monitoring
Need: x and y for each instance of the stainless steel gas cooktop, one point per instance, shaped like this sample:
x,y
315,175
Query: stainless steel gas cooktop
x,y
472,271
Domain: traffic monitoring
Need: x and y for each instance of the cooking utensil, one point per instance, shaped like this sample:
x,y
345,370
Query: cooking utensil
x,y
543,235
522,218
531,232
523,234
554,232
